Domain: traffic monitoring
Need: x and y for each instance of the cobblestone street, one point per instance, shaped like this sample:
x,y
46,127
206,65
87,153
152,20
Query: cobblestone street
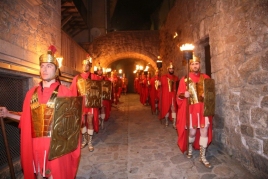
x,y
135,145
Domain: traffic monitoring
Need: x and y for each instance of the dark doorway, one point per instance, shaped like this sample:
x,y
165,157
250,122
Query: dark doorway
x,y
12,92
207,57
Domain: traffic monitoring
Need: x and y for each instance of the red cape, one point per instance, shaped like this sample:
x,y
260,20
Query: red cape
x,y
154,94
166,97
144,91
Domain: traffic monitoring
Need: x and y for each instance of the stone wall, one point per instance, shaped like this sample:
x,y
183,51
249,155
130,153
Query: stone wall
x,y
238,39
27,28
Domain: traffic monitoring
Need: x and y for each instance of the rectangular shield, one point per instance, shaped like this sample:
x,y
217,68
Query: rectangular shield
x,y
65,126
209,97
93,97
106,90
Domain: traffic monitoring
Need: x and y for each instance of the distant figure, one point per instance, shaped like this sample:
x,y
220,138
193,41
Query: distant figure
x,y
105,109
124,83
90,115
168,96
154,92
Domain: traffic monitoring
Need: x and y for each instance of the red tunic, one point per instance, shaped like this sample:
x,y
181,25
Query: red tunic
x,y
193,109
136,82
144,90
86,110
166,97
153,92
33,148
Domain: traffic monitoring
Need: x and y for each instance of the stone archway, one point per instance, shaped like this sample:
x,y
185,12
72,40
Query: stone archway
x,y
140,45
125,55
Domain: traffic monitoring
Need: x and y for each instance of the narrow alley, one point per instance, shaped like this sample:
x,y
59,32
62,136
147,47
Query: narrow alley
x,y
134,145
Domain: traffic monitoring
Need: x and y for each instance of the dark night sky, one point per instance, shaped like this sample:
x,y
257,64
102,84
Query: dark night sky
x,y
134,14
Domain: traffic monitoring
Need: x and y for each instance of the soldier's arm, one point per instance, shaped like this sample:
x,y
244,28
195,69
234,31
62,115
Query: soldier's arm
x,y
9,114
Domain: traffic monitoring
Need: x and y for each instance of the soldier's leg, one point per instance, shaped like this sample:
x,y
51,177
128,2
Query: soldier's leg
x,y
102,116
84,133
203,146
191,141
166,119
156,106
174,116
90,131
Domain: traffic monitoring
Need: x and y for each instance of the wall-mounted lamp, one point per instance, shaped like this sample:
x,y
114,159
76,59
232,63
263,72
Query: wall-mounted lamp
x,y
175,35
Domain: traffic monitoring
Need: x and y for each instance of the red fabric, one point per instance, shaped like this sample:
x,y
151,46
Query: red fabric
x,y
86,110
136,82
193,109
124,84
154,94
62,167
166,97
144,92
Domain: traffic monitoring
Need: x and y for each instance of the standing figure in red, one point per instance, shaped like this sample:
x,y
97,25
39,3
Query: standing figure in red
x,y
168,96
106,104
154,92
136,83
116,88
200,134
38,109
144,86
124,83
90,115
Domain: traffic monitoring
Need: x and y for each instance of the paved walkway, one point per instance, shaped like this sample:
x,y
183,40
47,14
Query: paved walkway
x,y
134,145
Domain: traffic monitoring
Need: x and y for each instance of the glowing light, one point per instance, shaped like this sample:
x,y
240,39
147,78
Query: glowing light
x,y
95,68
186,47
175,35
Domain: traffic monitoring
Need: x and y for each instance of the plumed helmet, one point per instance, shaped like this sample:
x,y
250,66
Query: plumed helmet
x,y
195,59
88,60
49,57
170,65
99,67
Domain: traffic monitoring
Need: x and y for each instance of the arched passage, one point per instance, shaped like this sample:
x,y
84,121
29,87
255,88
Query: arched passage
x,y
140,45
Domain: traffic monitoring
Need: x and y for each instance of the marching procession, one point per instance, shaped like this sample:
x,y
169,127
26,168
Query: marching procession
x,y
55,118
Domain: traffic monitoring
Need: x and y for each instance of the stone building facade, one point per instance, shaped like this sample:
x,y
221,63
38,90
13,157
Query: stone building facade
x,y
237,32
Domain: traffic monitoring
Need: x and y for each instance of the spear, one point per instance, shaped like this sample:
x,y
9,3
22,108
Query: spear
x,y
10,164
